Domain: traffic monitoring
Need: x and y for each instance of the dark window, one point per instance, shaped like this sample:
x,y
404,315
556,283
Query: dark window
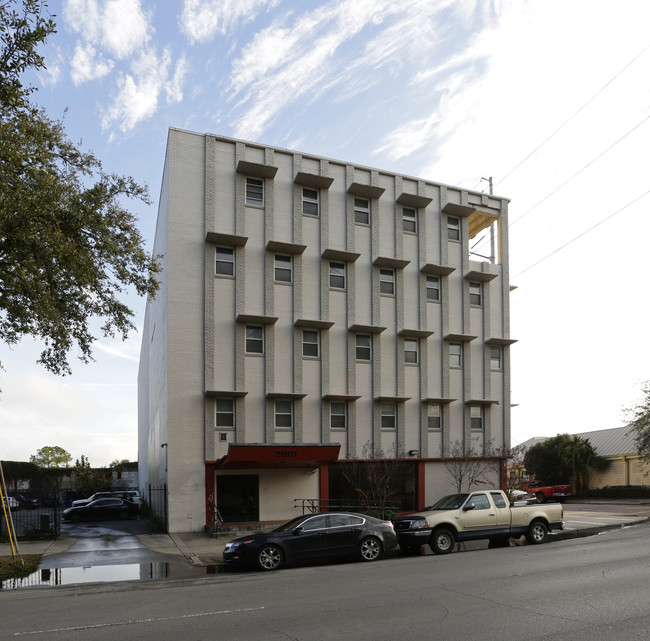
x,y
362,211
254,339
255,192
310,202
225,261
453,228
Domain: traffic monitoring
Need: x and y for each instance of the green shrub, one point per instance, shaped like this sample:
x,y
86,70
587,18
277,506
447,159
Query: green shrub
x,y
17,567
618,492
156,525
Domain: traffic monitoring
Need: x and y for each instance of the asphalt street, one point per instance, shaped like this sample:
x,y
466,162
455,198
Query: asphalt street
x,y
595,588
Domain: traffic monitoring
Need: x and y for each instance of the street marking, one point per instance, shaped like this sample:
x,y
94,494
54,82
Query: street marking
x,y
136,621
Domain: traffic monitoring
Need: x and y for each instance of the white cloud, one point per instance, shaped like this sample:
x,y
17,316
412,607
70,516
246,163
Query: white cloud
x,y
126,28
119,26
85,65
174,88
201,20
139,91
298,58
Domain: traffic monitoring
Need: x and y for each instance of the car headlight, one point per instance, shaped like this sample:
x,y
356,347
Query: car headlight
x,y
418,525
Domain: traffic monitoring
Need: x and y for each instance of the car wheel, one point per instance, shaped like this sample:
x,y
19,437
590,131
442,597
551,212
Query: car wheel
x,y
537,532
540,497
442,541
370,549
269,557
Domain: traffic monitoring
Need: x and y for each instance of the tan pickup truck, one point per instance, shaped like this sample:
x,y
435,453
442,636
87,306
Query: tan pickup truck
x,y
476,515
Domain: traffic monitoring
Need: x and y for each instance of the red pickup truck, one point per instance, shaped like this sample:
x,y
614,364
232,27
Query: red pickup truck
x,y
544,492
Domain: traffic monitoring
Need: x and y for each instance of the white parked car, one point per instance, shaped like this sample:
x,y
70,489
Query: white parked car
x,y
11,502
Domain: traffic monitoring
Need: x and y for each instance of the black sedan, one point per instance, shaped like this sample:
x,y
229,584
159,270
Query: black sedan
x,y
314,536
101,510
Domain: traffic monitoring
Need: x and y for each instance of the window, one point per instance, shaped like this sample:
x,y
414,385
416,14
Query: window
x,y
283,415
255,192
345,520
225,412
480,502
453,228
316,523
362,211
310,343
455,355
475,294
337,275
364,347
283,269
476,417
409,220
498,499
496,357
310,202
433,288
225,261
387,281
338,415
434,417
254,339
411,350
388,416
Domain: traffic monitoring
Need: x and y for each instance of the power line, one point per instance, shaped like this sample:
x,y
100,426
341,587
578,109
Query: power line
x,y
566,122
482,241
591,162
618,211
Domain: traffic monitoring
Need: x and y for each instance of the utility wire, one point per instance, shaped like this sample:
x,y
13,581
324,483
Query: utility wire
x,y
483,241
618,211
566,122
591,162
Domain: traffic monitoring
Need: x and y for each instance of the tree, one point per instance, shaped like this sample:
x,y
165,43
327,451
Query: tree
x,y
544,460
467,466
69,250
373,479
51,456
87,480
563,458
54,461
578,454
638,418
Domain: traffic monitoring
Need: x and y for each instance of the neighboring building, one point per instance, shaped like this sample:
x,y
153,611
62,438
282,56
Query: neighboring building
x,y
618,446
313,312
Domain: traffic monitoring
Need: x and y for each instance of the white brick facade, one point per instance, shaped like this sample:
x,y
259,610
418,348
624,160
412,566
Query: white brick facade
x,y
381,336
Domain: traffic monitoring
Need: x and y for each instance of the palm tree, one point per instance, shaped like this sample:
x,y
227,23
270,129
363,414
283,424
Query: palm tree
x,y
579,455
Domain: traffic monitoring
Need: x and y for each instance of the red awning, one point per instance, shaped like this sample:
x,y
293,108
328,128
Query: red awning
x,y
278,455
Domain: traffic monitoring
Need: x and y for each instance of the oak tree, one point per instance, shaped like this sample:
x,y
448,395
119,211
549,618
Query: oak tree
x,y
69,249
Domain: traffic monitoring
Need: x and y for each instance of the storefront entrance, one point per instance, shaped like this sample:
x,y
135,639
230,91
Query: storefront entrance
x,y
238,497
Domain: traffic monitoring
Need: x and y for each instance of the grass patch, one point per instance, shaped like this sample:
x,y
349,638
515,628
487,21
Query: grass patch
x,y
18,567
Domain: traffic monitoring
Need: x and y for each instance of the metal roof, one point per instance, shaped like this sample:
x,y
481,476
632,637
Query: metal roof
x,y
610,442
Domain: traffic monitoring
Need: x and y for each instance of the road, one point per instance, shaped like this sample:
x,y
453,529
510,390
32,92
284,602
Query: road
x,y
585,589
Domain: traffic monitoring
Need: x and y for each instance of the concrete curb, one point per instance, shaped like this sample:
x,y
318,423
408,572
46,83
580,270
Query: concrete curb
x,y
562,535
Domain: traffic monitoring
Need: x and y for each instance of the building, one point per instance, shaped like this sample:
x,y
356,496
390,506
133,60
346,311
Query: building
x,y
314,312
618,446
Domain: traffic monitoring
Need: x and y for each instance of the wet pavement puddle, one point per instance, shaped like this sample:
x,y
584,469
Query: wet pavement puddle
x,y
69,576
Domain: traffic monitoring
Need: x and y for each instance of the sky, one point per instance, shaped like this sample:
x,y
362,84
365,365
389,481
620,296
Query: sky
x,y
548,98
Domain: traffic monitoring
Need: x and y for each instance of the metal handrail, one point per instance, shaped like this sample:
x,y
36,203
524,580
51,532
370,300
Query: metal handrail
x,y
316,505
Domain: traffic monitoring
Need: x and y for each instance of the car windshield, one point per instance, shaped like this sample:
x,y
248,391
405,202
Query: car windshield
x,y
451,502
